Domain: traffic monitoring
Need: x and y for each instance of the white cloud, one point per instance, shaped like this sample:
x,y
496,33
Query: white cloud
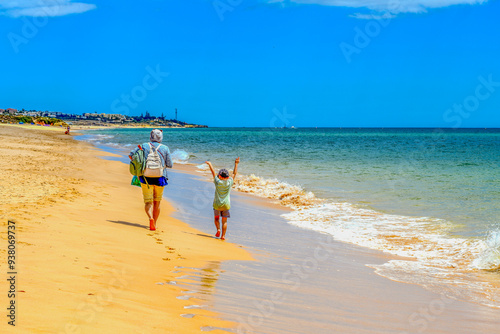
x,y
384,16
38,8
389,7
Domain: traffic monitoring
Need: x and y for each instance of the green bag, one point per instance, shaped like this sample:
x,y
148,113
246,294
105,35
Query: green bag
x,y
135,181
138,162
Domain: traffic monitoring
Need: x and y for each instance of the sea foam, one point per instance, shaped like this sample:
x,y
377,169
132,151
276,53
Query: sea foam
x,y
489,258
436,259
289,195
180,156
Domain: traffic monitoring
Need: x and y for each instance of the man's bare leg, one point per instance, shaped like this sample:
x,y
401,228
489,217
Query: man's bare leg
x,y
224,228
148,207
156,210
217,225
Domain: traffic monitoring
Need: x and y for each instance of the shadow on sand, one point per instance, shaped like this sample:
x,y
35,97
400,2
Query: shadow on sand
x,y
200,234
128,224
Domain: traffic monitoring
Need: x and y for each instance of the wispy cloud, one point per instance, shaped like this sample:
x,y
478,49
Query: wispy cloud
x,y
384,16
385,7
39,8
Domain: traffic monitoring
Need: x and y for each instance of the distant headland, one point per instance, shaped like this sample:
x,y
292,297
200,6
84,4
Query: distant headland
x,y
94,119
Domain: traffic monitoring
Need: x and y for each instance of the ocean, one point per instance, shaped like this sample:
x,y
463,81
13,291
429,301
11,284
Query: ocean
x,y
431,195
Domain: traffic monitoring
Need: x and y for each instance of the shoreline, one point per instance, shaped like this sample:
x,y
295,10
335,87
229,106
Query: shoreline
x,y
77,127
306,282
432,240
87,260
343,293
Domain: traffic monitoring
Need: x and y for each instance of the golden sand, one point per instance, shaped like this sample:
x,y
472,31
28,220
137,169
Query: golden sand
x,y
85,260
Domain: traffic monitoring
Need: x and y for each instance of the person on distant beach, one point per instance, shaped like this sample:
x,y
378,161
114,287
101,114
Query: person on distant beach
x,y
222,203
67,130
152,187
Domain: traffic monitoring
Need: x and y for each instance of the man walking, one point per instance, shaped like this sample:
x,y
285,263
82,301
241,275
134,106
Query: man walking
x,y
154,180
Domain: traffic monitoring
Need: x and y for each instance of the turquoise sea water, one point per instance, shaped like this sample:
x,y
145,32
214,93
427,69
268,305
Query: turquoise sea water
x,y
429,194
448,174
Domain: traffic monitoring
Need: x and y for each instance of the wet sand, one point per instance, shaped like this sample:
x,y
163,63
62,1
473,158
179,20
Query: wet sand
x,y
304,282
86,261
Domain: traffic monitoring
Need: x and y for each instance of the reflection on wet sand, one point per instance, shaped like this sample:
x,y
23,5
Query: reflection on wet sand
x,y
199,280
210,275
201,286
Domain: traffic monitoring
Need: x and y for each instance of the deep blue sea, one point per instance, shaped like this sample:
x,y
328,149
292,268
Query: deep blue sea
x,y
430,194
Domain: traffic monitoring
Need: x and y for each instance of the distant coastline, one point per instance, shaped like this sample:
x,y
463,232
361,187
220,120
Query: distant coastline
x,y
35,117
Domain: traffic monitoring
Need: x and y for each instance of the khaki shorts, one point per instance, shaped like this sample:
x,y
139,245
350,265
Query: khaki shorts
x,y
153,193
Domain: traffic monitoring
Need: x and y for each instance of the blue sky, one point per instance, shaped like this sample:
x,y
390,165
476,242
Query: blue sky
x,y
339,63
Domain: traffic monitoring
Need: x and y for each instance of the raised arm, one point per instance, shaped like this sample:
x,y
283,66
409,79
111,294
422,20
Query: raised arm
x,y
211,168
235,170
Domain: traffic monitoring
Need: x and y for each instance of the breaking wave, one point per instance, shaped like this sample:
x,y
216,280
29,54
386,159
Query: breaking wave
x,y
435,258
289,195
180,156
489,258
97,139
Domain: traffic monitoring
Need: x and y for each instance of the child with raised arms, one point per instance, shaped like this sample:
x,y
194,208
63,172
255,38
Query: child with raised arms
x,y
222,202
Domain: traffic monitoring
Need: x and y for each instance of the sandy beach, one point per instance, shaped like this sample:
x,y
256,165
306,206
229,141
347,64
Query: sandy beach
x,y
85,260
87,263
362,138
